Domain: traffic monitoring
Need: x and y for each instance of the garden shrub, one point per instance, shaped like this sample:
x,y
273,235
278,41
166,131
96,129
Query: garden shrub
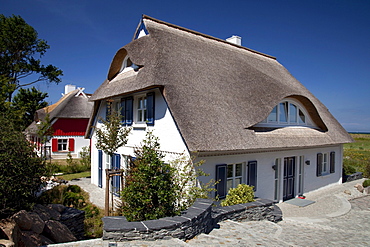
x,y
366,183
20,170
348,169
150,192
241,194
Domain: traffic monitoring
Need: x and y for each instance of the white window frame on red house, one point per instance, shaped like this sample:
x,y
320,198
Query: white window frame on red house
x,y
56,142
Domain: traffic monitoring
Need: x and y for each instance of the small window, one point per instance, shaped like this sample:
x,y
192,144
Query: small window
x,y
234,175
325,163
127,65
141,109
62,144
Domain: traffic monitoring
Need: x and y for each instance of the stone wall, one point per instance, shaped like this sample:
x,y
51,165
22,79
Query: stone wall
x,y
202,217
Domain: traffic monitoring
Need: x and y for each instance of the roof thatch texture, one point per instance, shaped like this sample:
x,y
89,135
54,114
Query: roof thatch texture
x,y
216,91
69,106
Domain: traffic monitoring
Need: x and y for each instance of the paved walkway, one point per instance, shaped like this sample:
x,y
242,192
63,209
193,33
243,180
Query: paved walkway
x,y
335,219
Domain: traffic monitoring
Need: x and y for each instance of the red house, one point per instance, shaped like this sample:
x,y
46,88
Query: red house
x,y
69,118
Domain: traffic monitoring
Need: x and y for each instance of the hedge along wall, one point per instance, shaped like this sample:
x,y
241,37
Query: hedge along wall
x,y
199,218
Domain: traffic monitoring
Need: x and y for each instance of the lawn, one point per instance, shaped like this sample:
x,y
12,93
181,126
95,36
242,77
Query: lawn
x,y
69,177
356,156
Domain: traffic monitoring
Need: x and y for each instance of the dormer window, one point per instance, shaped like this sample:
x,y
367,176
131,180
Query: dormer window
x,y
127,65
287,113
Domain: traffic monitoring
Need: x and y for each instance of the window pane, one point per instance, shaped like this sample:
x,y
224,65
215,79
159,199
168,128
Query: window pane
x,y
229,185
229,171
273,115
292,113
302,118
238,170
283,116
238,181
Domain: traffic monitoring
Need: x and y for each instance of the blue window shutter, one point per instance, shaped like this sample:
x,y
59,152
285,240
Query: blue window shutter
x,y
252,174
100,168
123,111
332,162
221,173
319,164
108,110
129,110
150,108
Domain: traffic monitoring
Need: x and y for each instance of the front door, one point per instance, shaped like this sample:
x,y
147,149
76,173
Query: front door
x,y
289,180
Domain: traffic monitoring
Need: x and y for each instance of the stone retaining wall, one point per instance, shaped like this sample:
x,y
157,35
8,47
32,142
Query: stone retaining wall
x,y
199,218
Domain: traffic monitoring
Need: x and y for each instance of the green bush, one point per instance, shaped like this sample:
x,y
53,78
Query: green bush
x,y
241,194
150,192
348,169
20,170
366,183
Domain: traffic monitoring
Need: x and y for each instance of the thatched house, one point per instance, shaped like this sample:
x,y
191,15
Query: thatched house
x,y
69,119
238,109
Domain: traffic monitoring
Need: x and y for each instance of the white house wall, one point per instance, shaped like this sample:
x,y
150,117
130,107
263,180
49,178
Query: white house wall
x,y
265,172
79,143
164,128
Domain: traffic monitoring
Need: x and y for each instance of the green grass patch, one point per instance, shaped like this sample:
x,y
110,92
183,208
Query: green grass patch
x,y
69,177
356,155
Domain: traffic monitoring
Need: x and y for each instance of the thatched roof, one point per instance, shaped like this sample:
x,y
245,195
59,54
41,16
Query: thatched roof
x,y
217,91
69,106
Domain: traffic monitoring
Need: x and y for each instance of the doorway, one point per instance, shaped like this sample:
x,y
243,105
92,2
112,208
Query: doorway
x,y
289,178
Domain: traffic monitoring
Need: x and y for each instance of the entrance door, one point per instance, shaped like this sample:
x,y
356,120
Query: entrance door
x,y
289,180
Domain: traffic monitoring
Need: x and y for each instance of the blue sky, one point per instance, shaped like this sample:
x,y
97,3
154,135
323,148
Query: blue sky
x,y
324,44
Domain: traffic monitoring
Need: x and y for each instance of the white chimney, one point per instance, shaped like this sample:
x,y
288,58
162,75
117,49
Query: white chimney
x,y
235,40
69,88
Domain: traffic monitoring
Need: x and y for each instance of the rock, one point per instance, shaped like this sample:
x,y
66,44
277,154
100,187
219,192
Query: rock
x,y
359,187
6,243
38,224
45,240
58,232
367,190
23,220
57,207
12,231
31,239
347,192
46,213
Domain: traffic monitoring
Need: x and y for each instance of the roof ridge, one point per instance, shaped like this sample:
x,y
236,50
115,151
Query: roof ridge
x,y
206,36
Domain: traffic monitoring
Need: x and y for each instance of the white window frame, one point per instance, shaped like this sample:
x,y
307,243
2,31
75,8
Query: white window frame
x,y
325,164
127,65
139,110
64,143
233,178
279,122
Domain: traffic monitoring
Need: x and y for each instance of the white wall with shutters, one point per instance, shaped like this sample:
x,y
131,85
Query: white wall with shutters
x,y
164,128
265,172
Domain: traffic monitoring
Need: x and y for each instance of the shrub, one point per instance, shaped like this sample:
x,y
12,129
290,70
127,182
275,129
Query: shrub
x,y
20,170
348,169
366,183
367,169
150,192
241,194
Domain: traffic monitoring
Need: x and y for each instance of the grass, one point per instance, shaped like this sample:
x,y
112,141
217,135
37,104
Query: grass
x,y
356,156
72,176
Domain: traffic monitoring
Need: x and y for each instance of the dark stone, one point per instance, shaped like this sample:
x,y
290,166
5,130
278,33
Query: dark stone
x,y
23,220
46,213
58,232
38,224
31,239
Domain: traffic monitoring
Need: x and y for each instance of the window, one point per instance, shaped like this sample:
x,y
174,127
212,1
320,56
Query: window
x,y
141,109
126,110
252,174
234,175
62,144
287,113
325,163
127,65
145,109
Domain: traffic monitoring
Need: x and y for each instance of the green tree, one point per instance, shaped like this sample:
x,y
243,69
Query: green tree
x,y
20,53
28,101
111,135
150,191
20,170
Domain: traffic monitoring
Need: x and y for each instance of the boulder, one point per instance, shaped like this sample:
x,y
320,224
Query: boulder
x,y
57,207
31,239
6,243
58,232
12,231
23,220
46,213
38,224
45,240
367,190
